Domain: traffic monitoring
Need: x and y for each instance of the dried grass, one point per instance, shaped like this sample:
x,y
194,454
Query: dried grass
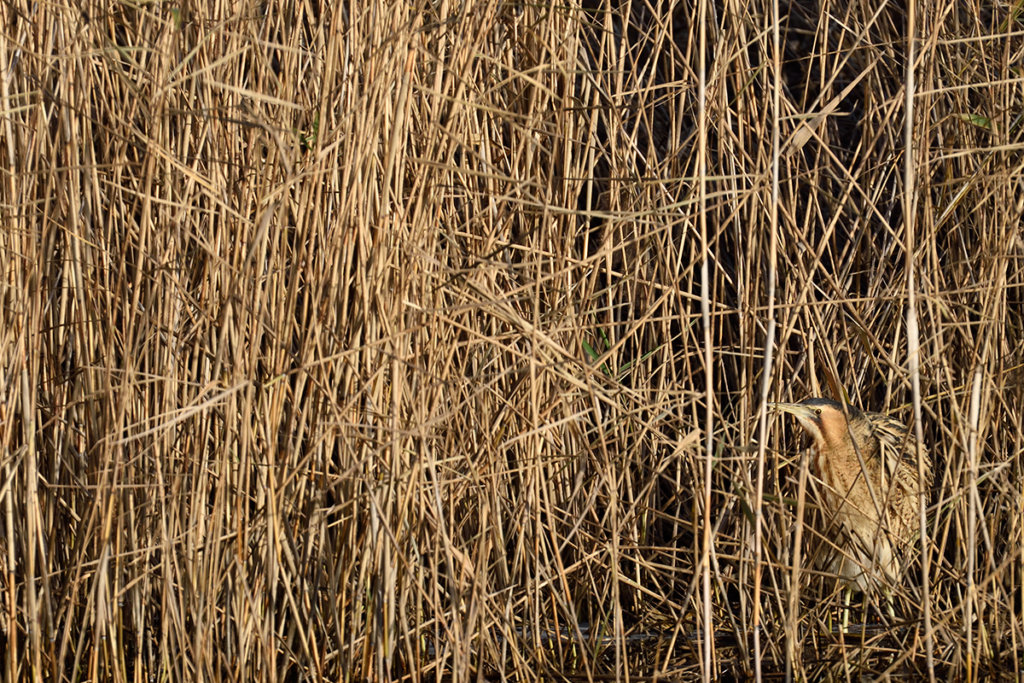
x,y
372,341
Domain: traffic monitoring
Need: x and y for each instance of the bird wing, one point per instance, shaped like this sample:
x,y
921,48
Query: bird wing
x,y
898,452
897,447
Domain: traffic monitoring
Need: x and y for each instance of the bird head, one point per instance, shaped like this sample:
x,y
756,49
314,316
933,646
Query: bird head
x,y
823,419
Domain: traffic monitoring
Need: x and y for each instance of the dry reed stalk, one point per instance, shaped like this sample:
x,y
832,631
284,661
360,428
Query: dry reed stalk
x,y
367,341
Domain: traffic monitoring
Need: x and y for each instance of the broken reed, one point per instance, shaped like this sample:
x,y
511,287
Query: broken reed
x,y
367,342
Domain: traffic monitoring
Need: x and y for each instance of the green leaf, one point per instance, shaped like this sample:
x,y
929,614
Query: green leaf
x,y
977,120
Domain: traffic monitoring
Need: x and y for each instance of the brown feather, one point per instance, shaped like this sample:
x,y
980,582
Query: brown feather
x,y
867,481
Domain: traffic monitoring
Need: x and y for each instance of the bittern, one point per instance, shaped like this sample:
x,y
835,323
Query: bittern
x,y
866,468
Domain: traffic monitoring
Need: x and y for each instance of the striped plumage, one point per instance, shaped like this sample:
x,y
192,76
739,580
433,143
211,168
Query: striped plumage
x,y
867,481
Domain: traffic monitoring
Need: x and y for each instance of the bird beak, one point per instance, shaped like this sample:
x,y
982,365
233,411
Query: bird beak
x,y
804,414
791,408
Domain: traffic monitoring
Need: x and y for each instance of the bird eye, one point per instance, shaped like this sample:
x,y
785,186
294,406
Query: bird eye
x,y
817,411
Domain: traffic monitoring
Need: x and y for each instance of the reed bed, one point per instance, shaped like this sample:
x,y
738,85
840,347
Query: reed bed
x,y
431,340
